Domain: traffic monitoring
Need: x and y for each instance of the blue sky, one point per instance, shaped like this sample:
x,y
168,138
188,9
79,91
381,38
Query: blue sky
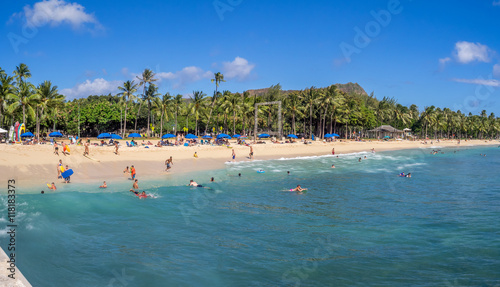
x,y
442,53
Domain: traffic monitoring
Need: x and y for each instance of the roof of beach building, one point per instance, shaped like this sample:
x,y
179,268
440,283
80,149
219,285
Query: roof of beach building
x,y
386,128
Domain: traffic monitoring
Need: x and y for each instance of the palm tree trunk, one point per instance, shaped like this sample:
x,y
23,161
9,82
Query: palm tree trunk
x,y
293,122
138,112
125,122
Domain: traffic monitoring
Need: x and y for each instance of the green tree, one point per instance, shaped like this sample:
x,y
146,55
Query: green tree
x,y
128,90
48,98
218,78
197,106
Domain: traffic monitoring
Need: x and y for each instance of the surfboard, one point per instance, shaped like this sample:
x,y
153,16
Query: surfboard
x,y
67,173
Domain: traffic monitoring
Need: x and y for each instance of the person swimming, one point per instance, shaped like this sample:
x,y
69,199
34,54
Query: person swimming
x,y
52,186
333,166
194,183
104,185
212,179
139,194
298,189
239,174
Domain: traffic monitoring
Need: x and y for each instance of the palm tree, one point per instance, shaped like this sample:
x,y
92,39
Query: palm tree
x,y
127,93
162,105
151,94
310,98
148,77
428,117
234,105
196,106
7,90
218,78
22,72
25,99
177,103
48,97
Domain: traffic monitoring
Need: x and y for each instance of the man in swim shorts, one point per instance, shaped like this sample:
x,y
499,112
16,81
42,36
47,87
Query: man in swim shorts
x,y
132,172
233,155
135,185
56,148
104,185
53,186
194,183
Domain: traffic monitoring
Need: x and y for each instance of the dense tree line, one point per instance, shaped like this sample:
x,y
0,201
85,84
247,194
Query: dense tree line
x,y
310,111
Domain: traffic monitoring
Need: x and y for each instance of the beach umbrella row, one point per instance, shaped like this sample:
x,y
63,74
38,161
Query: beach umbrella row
x,y
331,135
55,135
264,136
134,135
223,136
292,136
27,135
109,136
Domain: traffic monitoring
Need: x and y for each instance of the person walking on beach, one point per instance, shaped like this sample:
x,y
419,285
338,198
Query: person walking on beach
x,y
168,163
56,148
233,155
60,169
116,148
86,145
251,152
333,151
65,148
67,179
132,172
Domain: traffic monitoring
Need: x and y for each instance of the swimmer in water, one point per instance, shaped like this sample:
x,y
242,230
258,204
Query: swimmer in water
x,y
135,185
212,179
104,185
239,174
194,183
53,186
298,189
333,166
409,174
402,174
288,172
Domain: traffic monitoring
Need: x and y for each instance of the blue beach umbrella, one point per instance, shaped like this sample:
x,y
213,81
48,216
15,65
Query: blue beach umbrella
x,y
134,135
264,136
27,135
104,136
207,137
116,137
335,135
223,136
236,136
328,136
168,136
191,136
55,135
292,136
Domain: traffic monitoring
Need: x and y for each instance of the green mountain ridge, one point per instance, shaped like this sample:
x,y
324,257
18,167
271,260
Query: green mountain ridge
x,y
349,88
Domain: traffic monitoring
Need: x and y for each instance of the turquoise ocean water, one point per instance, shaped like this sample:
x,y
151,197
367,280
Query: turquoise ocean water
x,y
358,224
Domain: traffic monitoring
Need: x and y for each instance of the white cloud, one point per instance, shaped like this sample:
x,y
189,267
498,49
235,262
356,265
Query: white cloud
x,y
185,76
57,12
442,62
240,69
496,70
466,52
96,87
483,82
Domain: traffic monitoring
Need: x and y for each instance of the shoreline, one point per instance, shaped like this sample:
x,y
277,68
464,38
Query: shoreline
x,y
33,166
